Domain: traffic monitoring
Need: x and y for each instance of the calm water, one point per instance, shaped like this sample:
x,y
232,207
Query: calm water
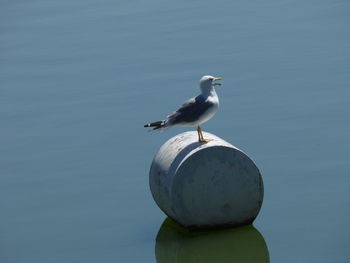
x,y
80,78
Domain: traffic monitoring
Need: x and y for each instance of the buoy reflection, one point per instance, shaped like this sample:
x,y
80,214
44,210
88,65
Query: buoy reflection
x,y
242,244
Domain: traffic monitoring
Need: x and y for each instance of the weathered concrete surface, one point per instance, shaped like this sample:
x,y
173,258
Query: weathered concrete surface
x,y
203,185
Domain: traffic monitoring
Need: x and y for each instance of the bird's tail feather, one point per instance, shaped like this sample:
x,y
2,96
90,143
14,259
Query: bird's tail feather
x,y
155,125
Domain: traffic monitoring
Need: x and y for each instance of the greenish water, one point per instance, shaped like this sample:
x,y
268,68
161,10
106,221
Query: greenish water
x,y
243,244
78,79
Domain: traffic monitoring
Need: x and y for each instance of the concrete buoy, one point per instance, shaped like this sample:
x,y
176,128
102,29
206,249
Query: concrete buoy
x,y
205,185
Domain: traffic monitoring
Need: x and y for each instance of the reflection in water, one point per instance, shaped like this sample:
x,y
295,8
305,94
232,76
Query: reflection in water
x,y
243,244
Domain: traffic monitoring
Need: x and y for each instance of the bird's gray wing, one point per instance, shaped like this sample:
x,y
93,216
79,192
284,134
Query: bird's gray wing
x,y
190,111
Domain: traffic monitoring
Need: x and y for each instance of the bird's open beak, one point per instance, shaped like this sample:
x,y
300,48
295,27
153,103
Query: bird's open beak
x,y
217,83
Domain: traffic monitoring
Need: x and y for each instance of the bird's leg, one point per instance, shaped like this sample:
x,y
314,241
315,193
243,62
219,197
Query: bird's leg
x,y
200,135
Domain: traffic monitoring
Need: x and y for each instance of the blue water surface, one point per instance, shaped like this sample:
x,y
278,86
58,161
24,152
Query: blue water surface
x,y
78,79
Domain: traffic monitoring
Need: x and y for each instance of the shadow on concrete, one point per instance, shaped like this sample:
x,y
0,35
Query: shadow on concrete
x,y
182,154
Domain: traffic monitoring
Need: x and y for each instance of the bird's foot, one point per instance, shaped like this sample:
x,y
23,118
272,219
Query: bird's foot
x,y
205,140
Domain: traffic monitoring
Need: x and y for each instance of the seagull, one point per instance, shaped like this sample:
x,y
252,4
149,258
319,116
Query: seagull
x,y
194,111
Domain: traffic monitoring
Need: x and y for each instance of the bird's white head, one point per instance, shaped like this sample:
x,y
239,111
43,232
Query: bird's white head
x,y
207,83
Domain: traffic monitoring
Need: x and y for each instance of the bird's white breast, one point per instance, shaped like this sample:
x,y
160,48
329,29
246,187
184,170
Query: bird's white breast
x,y
214,99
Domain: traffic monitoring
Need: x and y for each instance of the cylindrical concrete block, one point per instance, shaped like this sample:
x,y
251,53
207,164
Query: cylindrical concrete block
x,y
204,185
